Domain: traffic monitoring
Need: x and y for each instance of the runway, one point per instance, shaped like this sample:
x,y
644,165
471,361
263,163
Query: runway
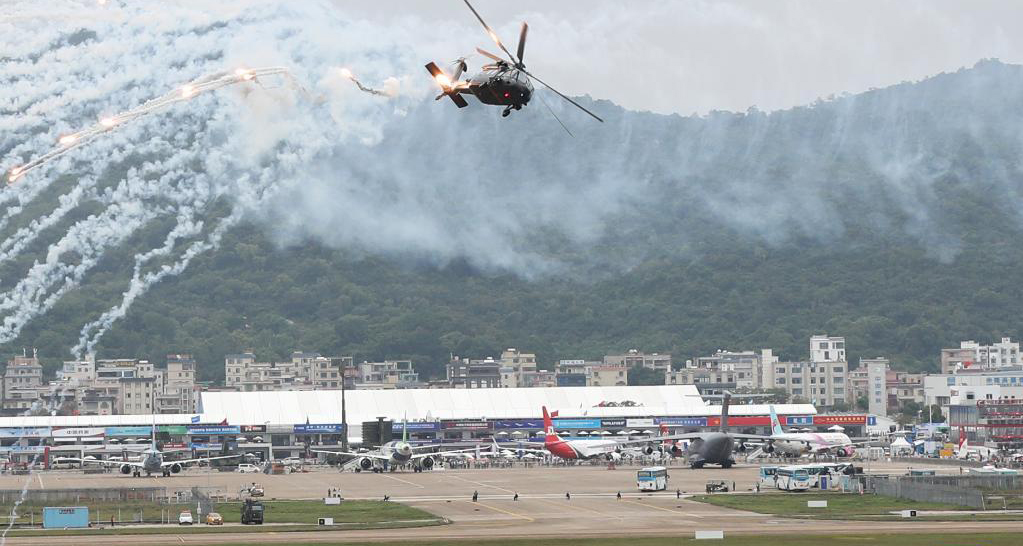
x,y
542,509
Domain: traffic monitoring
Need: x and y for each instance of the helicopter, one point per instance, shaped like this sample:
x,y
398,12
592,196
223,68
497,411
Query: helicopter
x,y
502,83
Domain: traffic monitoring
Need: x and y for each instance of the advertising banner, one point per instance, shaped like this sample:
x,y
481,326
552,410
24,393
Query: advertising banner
x,y
682,421
80,432
871,420
467,425
798,420
253,428
129,431
518,423
415,427
839,419
213,429
576,423
748,421
319,429
640,423
177,430
280,429
612,423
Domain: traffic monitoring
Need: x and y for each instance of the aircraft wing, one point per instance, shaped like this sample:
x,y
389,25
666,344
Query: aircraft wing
x,y
183,462
133,464
443,453
350,454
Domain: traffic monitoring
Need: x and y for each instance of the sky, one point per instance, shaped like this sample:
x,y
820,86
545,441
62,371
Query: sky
x,y
694,56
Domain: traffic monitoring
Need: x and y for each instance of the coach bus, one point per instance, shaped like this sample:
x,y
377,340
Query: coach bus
x,y
792,478
652,478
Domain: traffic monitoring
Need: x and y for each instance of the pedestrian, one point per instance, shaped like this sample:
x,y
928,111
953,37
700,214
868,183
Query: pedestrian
x,y
619,495
678,493
757,487
475,495
516,497
387,497
568,496
733,486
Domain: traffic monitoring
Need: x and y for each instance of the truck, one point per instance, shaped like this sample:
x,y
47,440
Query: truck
x,y
252,512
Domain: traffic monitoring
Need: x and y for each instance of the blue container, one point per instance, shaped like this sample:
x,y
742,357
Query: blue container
x,y
65,517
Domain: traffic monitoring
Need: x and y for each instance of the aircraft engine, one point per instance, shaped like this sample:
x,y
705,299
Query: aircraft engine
x,y
676,450
742,447
648,450
769,448
125,469
847,451
366,463
426,462
614,457
175,468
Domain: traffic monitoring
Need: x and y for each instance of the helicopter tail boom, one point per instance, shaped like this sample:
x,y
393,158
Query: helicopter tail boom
x,y
447,86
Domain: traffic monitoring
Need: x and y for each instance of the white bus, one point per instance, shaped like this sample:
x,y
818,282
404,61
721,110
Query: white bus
x,y
767,474
792,478
652,478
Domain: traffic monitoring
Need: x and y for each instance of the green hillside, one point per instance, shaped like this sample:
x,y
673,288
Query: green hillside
x,y
892,218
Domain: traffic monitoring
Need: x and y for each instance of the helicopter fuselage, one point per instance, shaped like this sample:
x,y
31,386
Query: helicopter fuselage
x,y
508,87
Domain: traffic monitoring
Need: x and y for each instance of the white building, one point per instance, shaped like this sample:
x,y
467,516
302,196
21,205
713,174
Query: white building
x,y
827,349
991,357
877,377
636,358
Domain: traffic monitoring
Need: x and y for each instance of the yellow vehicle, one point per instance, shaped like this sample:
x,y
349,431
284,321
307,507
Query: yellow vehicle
x,y
214,518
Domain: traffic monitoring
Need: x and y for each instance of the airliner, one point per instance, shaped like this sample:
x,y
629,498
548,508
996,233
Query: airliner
x,y
150,461
396,453
808,443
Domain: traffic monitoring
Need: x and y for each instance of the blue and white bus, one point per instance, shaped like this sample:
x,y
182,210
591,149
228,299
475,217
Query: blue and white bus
x,y
652,478
792,478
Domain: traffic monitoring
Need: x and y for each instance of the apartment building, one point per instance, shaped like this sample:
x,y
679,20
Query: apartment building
x,y
465,373
515,366
389,374
634,357
22,383
822,381
870,381
590,373
742,369
128,386
971,354
304,371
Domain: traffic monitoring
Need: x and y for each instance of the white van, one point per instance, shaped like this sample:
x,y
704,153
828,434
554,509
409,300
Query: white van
x,y
246,468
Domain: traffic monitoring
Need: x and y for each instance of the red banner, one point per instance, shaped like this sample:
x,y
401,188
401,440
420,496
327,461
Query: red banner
x,y
839,419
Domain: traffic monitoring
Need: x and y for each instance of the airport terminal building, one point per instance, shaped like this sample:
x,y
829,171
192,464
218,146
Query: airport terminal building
x,y
284,424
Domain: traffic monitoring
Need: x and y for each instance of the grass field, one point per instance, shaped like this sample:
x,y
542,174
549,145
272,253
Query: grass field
x,y
839,505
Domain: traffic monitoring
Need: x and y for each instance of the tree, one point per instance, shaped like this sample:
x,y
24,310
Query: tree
x,y
639,375
936,415
863,404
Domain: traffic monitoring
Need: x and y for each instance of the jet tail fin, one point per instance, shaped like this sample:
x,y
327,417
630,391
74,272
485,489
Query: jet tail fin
x,y
775,423
724,411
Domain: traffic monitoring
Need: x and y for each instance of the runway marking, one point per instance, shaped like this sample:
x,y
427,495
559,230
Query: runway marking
x,y
39,475
510,513
404,481
652,506
481,484
570,505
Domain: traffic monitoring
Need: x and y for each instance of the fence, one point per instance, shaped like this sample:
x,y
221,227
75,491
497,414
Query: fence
x,y
36,496
905,488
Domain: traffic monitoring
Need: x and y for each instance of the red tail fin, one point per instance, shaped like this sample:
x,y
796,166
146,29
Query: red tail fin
x,y
548,427
664,432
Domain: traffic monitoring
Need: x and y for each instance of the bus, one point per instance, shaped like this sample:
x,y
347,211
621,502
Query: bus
x,y
767,474
652,478
792,478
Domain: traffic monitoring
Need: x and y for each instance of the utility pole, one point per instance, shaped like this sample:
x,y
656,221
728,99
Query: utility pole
x,y
344,407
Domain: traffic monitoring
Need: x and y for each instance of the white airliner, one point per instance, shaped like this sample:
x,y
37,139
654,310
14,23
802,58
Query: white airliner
x,y
808,443
396,453
150,461
975,453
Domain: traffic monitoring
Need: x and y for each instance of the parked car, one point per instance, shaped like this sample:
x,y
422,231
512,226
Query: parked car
x,y
213,518
717,487
247,468
256,490
185,518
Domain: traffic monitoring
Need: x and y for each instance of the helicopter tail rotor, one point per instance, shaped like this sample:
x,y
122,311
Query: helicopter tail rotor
x,y
449,87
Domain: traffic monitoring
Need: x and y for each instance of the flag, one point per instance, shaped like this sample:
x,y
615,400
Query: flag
x,y
195,419
224,422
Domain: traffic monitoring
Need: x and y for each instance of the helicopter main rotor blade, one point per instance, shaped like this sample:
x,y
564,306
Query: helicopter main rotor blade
x,y
522,40
490,31
489,54
555,116
562,95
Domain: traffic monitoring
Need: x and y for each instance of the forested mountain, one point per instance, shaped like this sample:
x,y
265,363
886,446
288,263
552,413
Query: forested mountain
x,y
892,217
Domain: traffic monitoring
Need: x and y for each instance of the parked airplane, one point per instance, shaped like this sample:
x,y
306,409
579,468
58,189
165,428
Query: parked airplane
x,y
396,453
807,443
150,461
974,453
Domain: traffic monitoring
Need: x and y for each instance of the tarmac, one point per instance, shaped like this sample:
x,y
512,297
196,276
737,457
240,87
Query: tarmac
x,y
542,508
